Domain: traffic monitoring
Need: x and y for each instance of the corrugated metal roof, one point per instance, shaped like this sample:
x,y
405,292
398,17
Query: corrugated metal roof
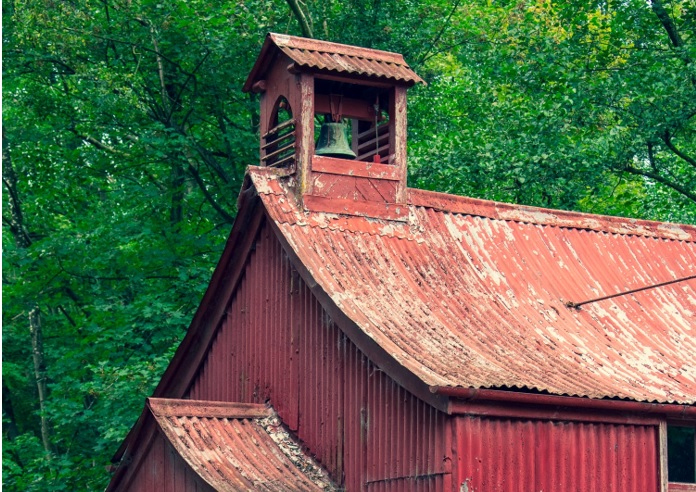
x,y
333,57
472,293
237,446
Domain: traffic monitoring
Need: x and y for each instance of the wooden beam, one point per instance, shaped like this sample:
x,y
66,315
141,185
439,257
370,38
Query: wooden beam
x,y
662,456
350,108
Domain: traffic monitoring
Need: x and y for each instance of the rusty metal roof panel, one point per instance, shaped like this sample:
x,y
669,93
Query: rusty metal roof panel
x,y
237,446
472,293
333,57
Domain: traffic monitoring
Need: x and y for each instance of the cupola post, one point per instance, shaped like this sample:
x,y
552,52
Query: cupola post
x,y
358,98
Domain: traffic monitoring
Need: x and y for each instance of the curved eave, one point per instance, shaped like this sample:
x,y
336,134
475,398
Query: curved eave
x,y
463,299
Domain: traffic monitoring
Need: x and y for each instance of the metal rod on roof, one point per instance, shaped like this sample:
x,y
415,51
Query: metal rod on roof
x,y
577,305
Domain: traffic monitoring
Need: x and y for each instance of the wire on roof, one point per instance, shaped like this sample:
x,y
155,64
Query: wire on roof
x,y
576,305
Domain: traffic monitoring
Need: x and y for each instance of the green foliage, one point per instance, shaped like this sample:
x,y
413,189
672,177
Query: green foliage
x,y
128,135
563,105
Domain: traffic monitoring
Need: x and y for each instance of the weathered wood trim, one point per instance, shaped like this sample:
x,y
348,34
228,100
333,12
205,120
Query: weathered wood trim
x,y
514,410
662,456
351,108
344,167
172,407
360,208
305,131
398,138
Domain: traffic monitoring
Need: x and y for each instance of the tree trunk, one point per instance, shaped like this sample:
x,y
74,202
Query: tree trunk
x,y
40,373
23,240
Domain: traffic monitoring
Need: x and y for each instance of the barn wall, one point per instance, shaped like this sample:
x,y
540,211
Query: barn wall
x,y
162,469
276,343
524,455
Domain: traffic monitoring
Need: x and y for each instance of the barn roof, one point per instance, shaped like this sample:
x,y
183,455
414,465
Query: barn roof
x,y
332,58
237,446
478,294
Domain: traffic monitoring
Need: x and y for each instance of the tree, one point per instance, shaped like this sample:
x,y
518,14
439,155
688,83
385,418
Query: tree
x,y
126,136
585,106
125,141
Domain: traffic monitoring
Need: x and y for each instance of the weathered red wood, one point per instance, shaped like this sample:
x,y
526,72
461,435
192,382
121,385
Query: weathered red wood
x,y
681,487
304,88
397,138
517,410
390,211
331,165
350,108
353,188
168,407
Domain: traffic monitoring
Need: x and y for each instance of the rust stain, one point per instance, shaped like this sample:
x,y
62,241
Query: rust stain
x,y
472,293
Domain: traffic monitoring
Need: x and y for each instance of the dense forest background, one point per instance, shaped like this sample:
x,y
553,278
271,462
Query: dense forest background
x,y
126,135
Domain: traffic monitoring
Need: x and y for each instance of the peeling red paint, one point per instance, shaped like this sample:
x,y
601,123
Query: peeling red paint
x,y
234,446
471,293
277,344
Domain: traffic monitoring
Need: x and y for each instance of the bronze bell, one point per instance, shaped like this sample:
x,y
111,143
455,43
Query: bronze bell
x,y
332,140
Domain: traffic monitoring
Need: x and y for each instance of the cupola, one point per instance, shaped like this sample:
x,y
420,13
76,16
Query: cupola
x,y
333,116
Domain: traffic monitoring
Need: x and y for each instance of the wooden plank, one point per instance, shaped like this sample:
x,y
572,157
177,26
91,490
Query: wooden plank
x,y
278,140
283,161
537,412
383,130
372,152
370,146
376,189
378,210
291,145
279,127
331,165
350,108
662,440
682,487
169,407
398,137
323,185
305,131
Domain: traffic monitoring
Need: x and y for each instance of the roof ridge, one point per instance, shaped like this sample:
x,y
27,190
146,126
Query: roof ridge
x,y
496,210
311,44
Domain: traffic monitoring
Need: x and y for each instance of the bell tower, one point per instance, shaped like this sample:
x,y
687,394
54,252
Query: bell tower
x,y
334,117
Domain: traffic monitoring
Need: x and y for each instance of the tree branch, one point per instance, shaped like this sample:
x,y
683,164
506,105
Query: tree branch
x,y
428,53
301,18
667,23
197,177
9,179
98,143
667,138
660,179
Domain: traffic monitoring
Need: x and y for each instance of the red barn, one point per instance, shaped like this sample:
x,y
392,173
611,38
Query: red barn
x,y
360,335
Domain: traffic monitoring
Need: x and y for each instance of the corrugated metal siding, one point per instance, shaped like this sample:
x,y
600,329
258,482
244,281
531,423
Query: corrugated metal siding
x,y
478,299
501,455
162,469
277,343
